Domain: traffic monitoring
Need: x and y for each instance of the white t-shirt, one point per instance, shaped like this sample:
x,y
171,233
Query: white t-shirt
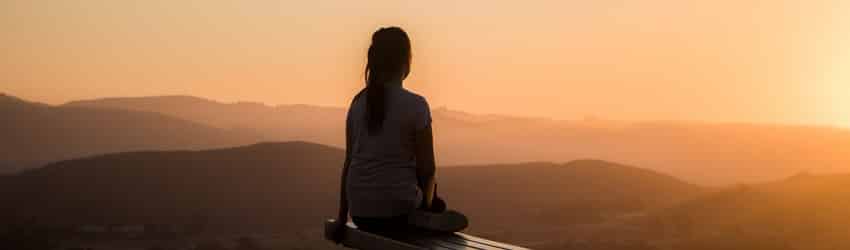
x,y
381,179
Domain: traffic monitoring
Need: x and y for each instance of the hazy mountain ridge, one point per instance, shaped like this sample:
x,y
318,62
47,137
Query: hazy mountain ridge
x,y
733,152
282,122
803,212
6,98
39,133
293,186
800,212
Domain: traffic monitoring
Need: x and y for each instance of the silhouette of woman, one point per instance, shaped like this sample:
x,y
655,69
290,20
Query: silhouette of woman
x,y
389,167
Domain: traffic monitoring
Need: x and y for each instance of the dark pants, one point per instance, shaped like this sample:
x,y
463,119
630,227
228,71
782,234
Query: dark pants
x,y
384,225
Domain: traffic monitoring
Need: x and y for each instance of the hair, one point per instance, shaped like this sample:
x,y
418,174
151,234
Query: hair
x,y
388,57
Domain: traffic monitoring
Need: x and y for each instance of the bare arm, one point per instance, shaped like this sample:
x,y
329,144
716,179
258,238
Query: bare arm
x,y
337,233
425,166
343,196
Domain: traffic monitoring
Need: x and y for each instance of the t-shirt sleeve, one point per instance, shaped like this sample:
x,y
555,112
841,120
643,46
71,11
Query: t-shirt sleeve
x,y
422,118
349,128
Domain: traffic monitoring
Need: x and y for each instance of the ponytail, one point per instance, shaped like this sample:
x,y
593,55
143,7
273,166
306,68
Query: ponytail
x,y
374,102
388,57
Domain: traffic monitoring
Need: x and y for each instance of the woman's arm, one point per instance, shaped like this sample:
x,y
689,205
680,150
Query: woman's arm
x,y
343,196
425,166
342,217
336,235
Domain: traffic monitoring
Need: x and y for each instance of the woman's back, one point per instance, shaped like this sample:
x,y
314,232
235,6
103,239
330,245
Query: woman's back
x,y
389,168
382,179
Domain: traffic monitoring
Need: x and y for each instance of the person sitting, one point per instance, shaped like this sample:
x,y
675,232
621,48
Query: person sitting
x,y
388,178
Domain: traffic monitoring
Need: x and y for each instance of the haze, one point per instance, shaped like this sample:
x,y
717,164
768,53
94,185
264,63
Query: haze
x,y
745,61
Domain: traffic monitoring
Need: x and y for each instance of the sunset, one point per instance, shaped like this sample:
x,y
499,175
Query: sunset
x,y
327,124
729,61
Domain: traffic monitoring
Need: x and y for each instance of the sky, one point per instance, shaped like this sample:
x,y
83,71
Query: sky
x,y
782,61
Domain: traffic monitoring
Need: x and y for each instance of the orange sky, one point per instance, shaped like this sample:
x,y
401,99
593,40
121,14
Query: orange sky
x,y
753,61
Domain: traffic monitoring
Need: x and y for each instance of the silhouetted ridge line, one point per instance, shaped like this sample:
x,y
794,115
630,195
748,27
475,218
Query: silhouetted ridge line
x,y
7,99
174,99
735,152
39,133
289,149
290,185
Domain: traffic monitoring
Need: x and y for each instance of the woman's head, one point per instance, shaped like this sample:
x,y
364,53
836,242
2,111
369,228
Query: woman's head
x,y
388,60
388,56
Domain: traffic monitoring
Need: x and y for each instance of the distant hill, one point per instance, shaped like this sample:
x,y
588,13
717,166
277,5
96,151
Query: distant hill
x,y
293,186
34,134
539,203
282,123
704,153
290,187
802,212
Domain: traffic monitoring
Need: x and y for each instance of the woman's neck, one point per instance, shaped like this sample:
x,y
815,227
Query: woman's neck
x,y
395,82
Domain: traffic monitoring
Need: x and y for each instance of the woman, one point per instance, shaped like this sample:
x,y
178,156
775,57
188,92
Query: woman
x,y
389,170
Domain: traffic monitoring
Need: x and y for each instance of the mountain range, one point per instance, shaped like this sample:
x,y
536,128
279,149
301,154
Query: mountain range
x,y
289,188
699,152
801,212
35,134
704,153
293,186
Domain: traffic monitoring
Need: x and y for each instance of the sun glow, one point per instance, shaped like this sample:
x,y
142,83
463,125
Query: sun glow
x,y
824,67
839,92
836,78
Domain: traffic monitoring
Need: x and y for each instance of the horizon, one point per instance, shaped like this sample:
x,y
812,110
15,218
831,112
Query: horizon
x,y
548,124
780,62
593,117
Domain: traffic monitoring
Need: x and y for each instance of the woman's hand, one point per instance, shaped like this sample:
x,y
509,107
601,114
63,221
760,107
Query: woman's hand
x,y
430,188
425,167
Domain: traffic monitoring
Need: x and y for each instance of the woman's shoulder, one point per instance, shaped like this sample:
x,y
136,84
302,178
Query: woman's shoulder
x,y
413,97
417,103
358,96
